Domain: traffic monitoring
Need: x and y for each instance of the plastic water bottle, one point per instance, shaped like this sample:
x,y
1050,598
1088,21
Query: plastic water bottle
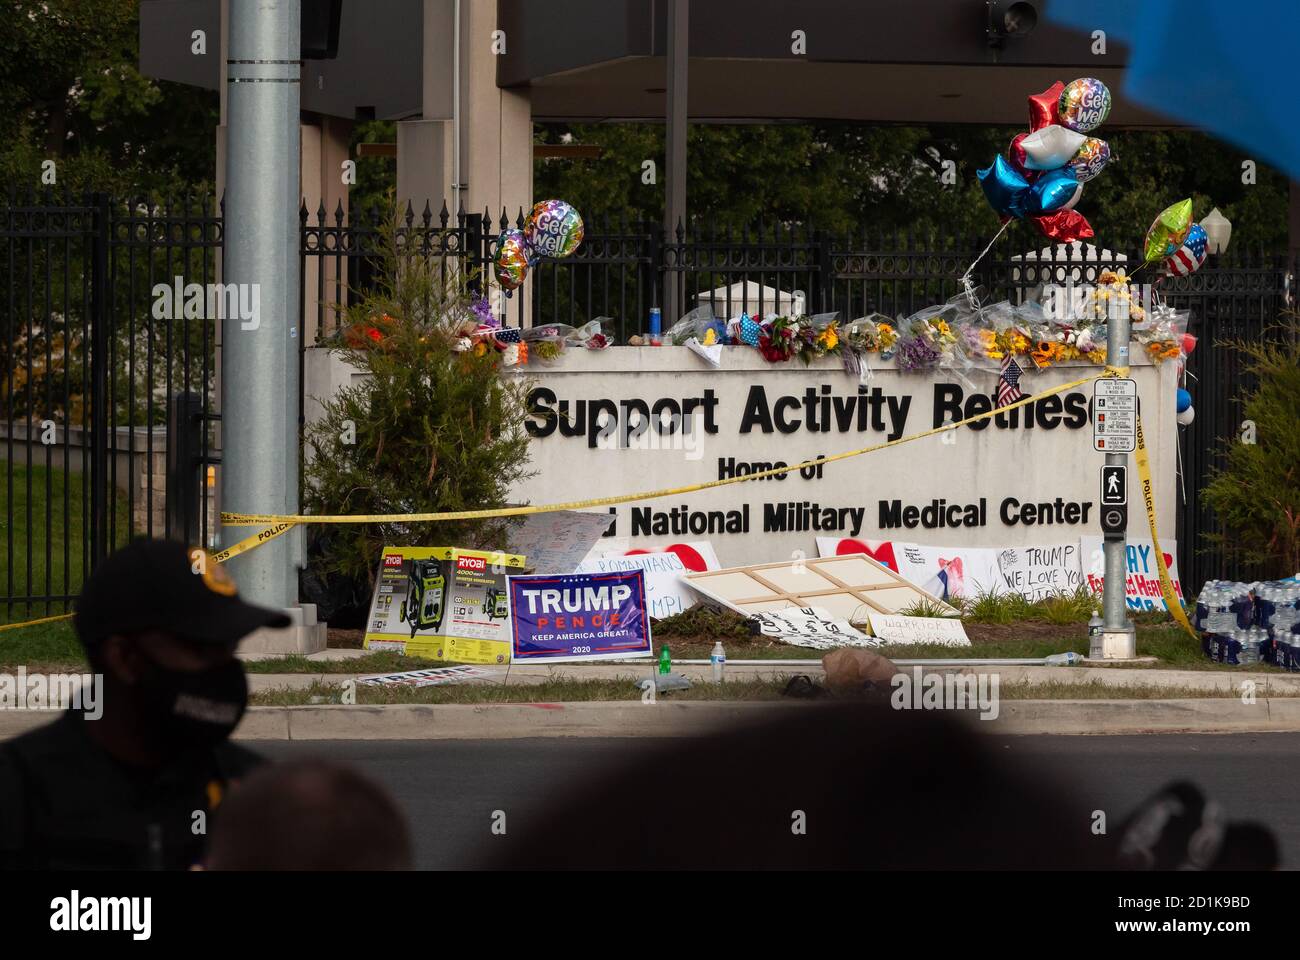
x,y
1096,626
1232,649
1068,659
718,660
665,659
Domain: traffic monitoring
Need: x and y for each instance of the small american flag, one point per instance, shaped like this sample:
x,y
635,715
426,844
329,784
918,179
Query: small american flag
x,y
1009,382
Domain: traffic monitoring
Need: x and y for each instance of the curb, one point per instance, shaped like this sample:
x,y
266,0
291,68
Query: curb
x,y
1101,717
504,721
1206,680
631,718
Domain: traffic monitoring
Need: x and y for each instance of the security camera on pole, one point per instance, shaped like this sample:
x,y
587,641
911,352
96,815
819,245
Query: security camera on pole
x,y
1114,426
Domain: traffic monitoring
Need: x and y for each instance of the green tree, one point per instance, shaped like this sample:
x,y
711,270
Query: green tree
x,y
1256,493
430,428
70,92
879,179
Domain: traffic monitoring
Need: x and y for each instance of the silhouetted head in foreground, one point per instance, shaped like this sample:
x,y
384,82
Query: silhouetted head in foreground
x,y
844,786
309,815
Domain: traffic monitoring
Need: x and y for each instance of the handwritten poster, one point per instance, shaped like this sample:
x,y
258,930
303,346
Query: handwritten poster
x,y
1142,586
433,677
666,593
1040,571
949,572
895,628
811,627
557,542
696,555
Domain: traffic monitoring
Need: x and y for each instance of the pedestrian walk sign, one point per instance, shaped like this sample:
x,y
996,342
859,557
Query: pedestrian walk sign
x,y
1114,415
1114,486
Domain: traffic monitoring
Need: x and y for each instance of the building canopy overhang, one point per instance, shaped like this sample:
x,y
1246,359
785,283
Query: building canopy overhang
x,y
879,61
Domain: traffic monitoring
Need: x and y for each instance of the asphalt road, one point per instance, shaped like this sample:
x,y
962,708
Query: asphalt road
x,y
451,788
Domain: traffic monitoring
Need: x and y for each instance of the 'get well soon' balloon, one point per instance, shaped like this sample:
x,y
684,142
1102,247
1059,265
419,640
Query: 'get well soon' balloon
x,y
553,229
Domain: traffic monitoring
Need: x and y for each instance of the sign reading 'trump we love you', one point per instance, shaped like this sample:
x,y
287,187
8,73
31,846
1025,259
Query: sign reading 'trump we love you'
x,y
581,616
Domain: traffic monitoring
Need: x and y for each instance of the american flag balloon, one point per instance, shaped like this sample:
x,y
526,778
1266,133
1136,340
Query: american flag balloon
x,y
1009,382
1188,258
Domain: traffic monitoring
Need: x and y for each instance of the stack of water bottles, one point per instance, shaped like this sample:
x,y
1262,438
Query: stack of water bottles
x,y
1250,623
1277,611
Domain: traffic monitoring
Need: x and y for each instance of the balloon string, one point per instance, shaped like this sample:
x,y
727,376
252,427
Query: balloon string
x,y
965,277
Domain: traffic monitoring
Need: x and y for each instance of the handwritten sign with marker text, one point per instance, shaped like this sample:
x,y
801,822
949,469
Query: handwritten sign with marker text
x,y
810,627
895,628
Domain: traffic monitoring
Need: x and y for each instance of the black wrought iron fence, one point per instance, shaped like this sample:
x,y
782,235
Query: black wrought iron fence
x,y
106,336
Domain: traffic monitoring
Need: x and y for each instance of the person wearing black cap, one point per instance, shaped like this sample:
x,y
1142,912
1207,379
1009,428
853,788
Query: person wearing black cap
x,y
133,789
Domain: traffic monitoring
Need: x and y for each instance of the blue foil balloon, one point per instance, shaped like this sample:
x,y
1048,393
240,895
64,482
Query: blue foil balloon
x,y
1052,191
1006,190
1184,400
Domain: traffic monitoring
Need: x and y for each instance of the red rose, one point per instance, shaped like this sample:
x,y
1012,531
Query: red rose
x,y
770,351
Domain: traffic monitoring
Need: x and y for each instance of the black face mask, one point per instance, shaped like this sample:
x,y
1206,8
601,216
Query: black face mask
x,y
196,708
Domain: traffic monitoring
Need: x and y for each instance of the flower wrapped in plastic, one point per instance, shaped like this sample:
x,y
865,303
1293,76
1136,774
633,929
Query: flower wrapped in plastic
x,y
930,336
545,343
595,334
818,336
1161,335
697,323
1113,297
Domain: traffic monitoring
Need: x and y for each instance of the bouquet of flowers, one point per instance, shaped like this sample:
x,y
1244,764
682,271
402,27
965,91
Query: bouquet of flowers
x,y
819,336
779,340
1113,297
928,337
1163,334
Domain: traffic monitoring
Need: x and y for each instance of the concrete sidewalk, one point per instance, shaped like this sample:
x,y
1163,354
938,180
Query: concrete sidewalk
x,y
1266,684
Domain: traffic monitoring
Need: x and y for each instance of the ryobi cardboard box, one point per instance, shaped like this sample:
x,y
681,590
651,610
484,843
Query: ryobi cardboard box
x,y
443,603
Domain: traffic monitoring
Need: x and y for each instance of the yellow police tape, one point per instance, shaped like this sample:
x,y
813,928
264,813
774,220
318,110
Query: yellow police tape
x,y
1148,499
279,524
32,623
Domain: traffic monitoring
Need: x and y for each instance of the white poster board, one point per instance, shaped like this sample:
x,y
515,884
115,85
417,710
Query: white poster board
x,y
881,551
433,677
1142,586
810,627
666,593
557,542
894,628
949,572
1038,572
696,555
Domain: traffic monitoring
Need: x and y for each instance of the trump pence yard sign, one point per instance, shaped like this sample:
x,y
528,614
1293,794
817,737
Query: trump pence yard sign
x,y
580,616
